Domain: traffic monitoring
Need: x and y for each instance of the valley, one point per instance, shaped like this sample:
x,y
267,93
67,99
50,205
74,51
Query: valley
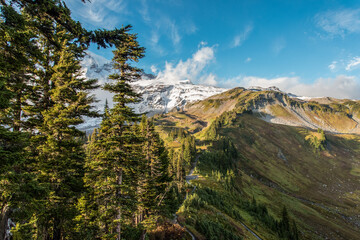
x,y
207,123
311,172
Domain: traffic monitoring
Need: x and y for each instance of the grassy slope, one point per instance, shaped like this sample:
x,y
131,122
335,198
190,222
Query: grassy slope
x,y
317,187
279,167
333,114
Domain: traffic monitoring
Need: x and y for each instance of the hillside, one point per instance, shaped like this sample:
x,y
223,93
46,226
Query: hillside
x,y
281,160
331,115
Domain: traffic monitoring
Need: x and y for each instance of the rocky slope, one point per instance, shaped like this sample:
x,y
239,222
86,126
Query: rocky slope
x,y
274,106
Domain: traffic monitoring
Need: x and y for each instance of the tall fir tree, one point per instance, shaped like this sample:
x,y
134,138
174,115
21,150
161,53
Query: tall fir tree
x,y
113,161
60,156
19,53
17,60
154,178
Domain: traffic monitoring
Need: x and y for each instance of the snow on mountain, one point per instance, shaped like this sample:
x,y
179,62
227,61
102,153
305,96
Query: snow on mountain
x,y
158,95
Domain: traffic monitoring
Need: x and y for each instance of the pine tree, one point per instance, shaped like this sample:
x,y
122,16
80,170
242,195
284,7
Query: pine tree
x,y
113,162
154,177
12,155
60,153
17,53
17,62
42,98
187,152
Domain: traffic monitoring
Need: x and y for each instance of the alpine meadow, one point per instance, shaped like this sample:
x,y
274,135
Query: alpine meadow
x,y
93,148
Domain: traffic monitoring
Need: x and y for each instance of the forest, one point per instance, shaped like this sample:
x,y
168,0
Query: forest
x,y
123,181
55,183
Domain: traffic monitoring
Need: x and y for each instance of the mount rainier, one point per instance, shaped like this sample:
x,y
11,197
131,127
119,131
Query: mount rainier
x,y
158,94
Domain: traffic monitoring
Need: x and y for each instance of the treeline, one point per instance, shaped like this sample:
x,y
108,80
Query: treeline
x,y
52,186
222,156
218,164
285,227
182,158
232,205
210,226
227,118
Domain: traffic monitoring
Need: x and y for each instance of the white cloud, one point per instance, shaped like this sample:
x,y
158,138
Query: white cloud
x,y
278,45
154,69
190,27
175,36
164,28
191,69
144,11
154,42
248,59
339,22
339,87
208,80
354,63
332,66
99,13
202,43
241,38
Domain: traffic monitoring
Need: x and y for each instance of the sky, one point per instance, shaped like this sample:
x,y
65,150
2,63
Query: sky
x,y
308,47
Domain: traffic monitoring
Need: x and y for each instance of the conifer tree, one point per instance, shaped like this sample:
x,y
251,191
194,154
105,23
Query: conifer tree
x,y
17,63
17,53
60,153
154,177
113,161
47,99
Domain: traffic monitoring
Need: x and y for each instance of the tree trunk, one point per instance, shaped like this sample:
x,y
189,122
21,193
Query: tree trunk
x,y
17,114
3,221
56,229
118,217
143,235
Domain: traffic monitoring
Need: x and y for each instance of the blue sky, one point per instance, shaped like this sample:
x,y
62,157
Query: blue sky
x,y
308,47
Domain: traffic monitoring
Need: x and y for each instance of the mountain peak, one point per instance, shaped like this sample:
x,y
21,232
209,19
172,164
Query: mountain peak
x,y
159,94
258,88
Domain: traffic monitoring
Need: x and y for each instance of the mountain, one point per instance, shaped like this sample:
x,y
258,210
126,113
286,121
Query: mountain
x,y
262,151
275,106
158,94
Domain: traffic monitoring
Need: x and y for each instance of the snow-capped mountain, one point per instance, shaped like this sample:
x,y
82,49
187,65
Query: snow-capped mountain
x,y
158,95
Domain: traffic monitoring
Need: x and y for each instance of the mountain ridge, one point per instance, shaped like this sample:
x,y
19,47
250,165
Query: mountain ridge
x,y
337,116
311,166
271,104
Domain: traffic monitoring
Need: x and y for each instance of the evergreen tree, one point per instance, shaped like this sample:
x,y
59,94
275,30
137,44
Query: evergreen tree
x,y
12,155
17,54
114,159
60,153
17,63
42,98
187,152
154,177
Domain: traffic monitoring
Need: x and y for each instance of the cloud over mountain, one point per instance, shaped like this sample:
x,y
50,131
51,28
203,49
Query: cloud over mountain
x,y
190,69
